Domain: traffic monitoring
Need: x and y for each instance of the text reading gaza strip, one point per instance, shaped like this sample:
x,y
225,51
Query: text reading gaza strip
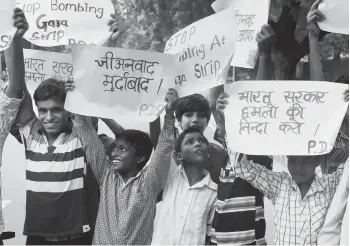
x,y
53,29
194,52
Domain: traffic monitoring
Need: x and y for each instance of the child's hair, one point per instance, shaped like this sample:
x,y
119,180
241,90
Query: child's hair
x,y
343,79
140,141
193,103
50,89
180,138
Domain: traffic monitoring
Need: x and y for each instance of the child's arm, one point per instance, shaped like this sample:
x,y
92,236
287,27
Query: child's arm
x,y
113,126
160,160
210,221
314,15
266,39
333,179
259,176
95,152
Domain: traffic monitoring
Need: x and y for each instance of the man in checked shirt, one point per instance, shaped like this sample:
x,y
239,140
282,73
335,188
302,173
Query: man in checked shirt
x,y
128,189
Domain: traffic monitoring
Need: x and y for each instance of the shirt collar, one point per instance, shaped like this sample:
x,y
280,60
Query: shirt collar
x,y
206,181
317,185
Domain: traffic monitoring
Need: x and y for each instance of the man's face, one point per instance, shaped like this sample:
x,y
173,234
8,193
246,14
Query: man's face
x,y
53,116
123,156
302,168
194,119
194,148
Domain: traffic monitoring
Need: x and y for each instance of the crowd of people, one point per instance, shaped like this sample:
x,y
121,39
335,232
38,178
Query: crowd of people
x,y
83,188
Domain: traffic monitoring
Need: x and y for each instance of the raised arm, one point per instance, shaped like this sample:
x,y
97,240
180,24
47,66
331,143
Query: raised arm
x,y
160,160
95,153
266,39
15,64
260,177
314,15
113,126
14,57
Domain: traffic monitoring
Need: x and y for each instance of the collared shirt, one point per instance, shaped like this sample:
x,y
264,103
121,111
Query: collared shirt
x,y
8,111
54,182
297,221
331,230
185,214
126,210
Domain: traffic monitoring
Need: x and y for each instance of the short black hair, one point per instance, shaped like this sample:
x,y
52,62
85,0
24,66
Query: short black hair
x,y
192,103
343,79
50,89
140,141
180,138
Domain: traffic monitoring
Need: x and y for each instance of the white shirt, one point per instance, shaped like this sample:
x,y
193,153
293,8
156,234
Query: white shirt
x,y
332,228
185,214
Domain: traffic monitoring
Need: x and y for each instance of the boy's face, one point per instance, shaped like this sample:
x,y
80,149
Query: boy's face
x,y
194,119
123,156
194,148
302,168
53,116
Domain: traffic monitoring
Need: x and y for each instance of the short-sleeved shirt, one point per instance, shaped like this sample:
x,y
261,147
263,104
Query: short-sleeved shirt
x,y
55,201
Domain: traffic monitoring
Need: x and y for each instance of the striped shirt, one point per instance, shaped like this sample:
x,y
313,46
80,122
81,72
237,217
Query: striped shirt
x,y
126,210
298,221
55,185
8,111
239,218
185,214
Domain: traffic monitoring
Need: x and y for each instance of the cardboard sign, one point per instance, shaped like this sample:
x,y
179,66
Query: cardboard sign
x,y
204,51
250,16
284,117
113,82
63,22
337,16
7,30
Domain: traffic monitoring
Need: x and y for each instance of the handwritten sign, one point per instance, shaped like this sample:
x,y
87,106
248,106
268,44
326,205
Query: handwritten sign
x,y
284,117
63,22
118,82
204,51
337,16
7,30
250,16
41,65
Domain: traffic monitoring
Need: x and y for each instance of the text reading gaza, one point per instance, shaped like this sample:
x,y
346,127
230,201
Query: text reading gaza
x,y
57,5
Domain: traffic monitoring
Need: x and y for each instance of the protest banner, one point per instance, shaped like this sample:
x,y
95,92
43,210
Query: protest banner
x,y
250,16
63,22
40,65
337,16
204,50
114,82
7,30
284,117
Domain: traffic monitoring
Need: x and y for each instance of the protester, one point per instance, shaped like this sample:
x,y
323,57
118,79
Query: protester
x,y
185,214
246,223
12,95
128,190
194,110
56,209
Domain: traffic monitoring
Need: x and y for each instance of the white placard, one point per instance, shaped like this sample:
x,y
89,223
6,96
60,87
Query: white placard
x,y
284,117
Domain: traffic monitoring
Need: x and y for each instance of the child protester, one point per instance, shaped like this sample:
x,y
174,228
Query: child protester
x,y
128,190
301,199
185,214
